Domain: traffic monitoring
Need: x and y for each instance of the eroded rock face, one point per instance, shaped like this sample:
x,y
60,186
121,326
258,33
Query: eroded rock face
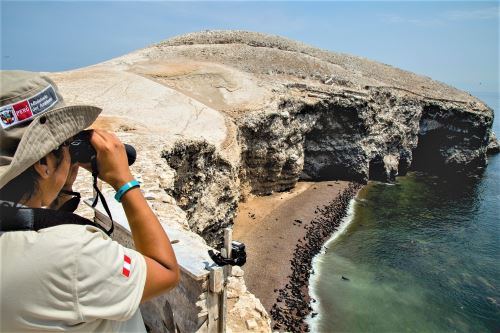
x,y
377,134
452,139
202,172
251,315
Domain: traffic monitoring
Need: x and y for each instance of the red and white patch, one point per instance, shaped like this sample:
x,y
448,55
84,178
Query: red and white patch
x,y
127,265
22,110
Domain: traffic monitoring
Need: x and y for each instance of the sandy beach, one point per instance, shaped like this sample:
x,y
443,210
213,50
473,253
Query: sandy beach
x,y
283,230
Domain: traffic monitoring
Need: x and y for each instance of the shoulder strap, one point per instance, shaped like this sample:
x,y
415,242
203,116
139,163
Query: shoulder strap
x,y
23,219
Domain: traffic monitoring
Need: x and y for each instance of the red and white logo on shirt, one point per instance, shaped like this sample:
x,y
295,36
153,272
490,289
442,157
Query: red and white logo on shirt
x,y
127,265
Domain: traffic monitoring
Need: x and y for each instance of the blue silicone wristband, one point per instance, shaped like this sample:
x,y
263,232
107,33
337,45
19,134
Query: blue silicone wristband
x,y
125,188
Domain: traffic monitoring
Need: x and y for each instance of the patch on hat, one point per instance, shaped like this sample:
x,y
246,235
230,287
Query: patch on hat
x,y
26,109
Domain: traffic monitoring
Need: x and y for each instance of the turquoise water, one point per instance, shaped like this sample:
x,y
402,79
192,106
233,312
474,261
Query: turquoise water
x,y
422,255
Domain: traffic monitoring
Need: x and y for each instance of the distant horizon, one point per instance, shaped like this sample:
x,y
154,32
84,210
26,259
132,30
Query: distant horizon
x,y
452,42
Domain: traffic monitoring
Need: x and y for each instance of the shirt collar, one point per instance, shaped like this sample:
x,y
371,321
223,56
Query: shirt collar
x,y
12,204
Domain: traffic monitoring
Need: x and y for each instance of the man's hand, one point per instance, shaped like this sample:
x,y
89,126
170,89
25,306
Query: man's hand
x,y
112,161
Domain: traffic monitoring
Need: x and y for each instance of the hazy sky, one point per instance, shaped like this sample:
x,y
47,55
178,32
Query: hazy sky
x,y
454,42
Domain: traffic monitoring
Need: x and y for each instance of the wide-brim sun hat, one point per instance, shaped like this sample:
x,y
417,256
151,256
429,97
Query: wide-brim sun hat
x,y
34,121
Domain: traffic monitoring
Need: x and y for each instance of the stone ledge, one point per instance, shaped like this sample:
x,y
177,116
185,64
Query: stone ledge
x,y
192,262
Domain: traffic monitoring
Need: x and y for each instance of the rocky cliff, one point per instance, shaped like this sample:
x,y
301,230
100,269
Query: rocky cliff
x,y
296,112
233,113
326,115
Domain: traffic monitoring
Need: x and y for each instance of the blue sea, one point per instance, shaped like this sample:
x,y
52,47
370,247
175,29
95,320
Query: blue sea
x,y
420,255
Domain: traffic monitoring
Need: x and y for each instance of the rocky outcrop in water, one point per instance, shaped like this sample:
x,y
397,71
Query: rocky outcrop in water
x,y
493,145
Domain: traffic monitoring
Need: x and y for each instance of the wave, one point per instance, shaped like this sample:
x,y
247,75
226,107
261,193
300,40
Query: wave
x,y
317,261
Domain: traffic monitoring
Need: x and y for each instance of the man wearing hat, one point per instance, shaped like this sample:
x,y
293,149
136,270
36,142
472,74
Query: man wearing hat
x,y
70,276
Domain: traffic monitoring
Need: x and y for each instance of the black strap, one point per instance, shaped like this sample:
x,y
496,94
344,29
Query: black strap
x,y
24,219
76,194
72,204
95,172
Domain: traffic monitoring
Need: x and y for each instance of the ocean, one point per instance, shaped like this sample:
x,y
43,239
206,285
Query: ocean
x,y
419,255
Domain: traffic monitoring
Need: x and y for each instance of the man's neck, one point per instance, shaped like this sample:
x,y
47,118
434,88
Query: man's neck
x,y
33,202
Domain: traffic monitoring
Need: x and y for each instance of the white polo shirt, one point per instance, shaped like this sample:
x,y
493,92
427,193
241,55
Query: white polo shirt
x,y
69,278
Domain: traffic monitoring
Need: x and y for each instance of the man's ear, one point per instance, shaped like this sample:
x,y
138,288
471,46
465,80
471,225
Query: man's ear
x,y
42,168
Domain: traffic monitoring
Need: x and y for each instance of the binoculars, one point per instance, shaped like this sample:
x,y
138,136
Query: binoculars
x,y
81,149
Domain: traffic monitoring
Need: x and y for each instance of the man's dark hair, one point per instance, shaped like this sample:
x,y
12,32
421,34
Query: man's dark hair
x,y
26,184
21,187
